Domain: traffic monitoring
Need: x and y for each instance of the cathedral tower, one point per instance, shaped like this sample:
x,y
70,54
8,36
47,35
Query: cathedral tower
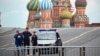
x,y
46,20
66,16
58,7
33,9
80,19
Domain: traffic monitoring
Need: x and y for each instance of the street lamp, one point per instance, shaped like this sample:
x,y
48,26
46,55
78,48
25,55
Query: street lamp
x,y
0,20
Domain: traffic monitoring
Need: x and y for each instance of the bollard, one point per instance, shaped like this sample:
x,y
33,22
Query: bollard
x,y
82,51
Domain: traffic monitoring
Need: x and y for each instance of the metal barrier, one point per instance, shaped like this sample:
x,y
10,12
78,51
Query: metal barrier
x,y
50,51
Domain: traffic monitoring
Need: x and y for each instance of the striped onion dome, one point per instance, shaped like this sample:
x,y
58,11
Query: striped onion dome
x,y
46,5
33,5
66,14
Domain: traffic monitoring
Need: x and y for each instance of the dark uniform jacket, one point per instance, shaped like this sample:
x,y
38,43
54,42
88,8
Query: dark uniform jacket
x,y
26,35
34,40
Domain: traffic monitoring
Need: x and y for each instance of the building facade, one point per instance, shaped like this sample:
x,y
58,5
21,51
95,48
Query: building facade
x,y
58,8
56,14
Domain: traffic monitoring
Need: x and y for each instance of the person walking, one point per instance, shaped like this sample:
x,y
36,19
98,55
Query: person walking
x,y
34,41
27,35
18,41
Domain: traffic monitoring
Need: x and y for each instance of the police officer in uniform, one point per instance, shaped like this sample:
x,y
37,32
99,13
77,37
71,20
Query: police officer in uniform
x,y
27,35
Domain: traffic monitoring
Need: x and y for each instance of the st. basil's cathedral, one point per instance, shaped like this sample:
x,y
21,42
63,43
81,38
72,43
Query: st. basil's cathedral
x,y
56,14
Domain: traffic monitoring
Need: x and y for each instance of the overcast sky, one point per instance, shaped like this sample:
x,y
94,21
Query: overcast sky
x,y
15,13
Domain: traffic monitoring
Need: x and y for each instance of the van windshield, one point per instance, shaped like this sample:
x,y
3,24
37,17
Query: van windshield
x,y
46,36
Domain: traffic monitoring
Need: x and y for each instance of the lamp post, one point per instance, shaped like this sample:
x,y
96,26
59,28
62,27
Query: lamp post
x,y
0,19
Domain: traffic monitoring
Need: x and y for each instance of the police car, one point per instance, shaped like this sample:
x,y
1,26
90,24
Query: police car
x,y
48,38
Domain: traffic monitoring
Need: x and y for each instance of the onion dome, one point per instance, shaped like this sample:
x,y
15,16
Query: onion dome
x,y
37,16
80,3
66,14
33,5
46,5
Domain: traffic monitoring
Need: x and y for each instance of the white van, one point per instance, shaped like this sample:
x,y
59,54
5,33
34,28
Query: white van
x,y
48,38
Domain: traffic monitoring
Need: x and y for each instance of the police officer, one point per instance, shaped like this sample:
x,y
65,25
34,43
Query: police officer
x,y
27,35
34,41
